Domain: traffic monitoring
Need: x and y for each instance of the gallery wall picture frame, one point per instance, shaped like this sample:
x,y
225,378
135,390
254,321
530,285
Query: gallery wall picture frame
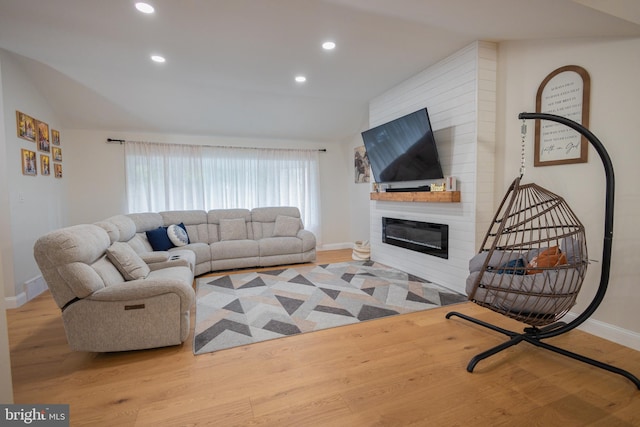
x,y
45,165
57,170
565,92
26,126
29,162
57,154
43,136
55,137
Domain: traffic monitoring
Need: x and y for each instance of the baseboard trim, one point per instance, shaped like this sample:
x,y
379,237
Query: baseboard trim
x,y
32,288
607,331
335,246
15,302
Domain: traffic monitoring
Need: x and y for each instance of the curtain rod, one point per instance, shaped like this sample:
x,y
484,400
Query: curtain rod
x,y
122,141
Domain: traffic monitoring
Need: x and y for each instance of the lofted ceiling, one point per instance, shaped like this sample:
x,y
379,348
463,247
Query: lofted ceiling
x,y
231,63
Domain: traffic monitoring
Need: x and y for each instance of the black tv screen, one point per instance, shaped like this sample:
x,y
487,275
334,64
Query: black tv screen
x,y
403,149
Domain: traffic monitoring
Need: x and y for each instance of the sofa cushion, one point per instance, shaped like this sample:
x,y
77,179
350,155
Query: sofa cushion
x,y
159,239
127,261
146,221
270,246
140,243
214,217
263,219
125,225
111,229
286,226
177,234
234,249
233,229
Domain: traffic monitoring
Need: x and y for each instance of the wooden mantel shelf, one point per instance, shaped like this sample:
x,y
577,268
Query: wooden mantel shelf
x,y
418,196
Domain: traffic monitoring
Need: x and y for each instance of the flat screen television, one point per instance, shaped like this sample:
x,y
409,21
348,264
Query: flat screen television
x,y
403,149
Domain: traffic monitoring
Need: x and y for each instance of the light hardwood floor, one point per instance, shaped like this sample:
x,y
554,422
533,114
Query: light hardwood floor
x,y
398,371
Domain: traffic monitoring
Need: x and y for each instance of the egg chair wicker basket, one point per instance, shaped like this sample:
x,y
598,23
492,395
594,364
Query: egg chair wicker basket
x,y
533,260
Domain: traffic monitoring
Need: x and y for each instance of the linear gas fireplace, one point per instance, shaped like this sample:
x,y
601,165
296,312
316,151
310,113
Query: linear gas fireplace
x,y
425,237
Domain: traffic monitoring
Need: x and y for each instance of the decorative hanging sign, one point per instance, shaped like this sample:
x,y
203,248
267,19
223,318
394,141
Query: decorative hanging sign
x,y
565,92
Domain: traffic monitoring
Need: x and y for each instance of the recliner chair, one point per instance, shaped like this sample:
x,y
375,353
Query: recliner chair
x,y
110,299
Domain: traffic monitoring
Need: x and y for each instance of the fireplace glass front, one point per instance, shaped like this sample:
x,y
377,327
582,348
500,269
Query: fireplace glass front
x,y
425,237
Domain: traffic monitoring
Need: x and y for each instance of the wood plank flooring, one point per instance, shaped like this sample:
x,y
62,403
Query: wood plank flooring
x,y
405,370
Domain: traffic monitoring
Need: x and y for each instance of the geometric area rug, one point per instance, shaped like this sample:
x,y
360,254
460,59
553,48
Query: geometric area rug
x,y
239,309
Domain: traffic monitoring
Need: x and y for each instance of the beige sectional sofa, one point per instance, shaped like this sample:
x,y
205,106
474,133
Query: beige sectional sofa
x,y
118,292
222,239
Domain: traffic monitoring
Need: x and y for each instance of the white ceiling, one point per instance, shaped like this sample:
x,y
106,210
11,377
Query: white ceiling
x,y
231,63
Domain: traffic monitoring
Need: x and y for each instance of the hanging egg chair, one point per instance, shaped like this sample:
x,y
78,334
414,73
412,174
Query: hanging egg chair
x,y
533,261
533,258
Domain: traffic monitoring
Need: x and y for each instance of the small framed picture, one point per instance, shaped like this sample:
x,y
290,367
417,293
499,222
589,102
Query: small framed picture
x,y
57,170
45,162
55,137
43,136
29,166
26,126
362,169
57,154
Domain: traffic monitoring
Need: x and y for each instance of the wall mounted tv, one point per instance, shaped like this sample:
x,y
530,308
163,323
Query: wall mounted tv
x,y
403,149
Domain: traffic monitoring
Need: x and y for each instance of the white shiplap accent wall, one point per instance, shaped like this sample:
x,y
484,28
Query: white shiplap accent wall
x,y
460,95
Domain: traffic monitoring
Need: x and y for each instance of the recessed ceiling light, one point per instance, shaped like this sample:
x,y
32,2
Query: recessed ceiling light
x,y
144,7
328,45
158,58
301,79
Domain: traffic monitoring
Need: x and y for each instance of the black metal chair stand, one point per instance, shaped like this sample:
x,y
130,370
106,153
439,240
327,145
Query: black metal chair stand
x,y
534,334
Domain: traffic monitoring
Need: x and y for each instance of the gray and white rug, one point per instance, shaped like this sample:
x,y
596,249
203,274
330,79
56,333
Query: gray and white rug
x,y
239,309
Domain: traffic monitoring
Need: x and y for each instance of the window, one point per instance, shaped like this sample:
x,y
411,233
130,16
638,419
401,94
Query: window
x,y
162,177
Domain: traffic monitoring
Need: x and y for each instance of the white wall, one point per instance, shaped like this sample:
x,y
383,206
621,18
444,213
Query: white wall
x,y
613,65
358,193
36,204
459,93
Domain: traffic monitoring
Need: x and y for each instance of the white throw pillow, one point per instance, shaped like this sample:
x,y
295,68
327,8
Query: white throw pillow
x,y
177,235
286,226
127,261
233,229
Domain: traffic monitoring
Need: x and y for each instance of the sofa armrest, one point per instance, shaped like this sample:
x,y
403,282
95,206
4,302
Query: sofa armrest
x,y
158,260
177,280
308,240
156,256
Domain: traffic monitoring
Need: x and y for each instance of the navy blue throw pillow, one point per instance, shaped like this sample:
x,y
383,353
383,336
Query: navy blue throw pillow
x,y
159,239
515,266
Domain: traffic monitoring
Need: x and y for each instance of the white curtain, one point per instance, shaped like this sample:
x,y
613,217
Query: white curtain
x,y
163,177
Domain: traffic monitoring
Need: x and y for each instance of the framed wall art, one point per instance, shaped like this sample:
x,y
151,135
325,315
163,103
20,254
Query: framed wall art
x,y
43,136
57,154
57,170
26,126
564,92
29,166
45,163
55,137
362,170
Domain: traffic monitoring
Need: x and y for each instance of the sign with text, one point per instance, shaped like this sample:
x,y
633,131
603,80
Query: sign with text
x,y
564,92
